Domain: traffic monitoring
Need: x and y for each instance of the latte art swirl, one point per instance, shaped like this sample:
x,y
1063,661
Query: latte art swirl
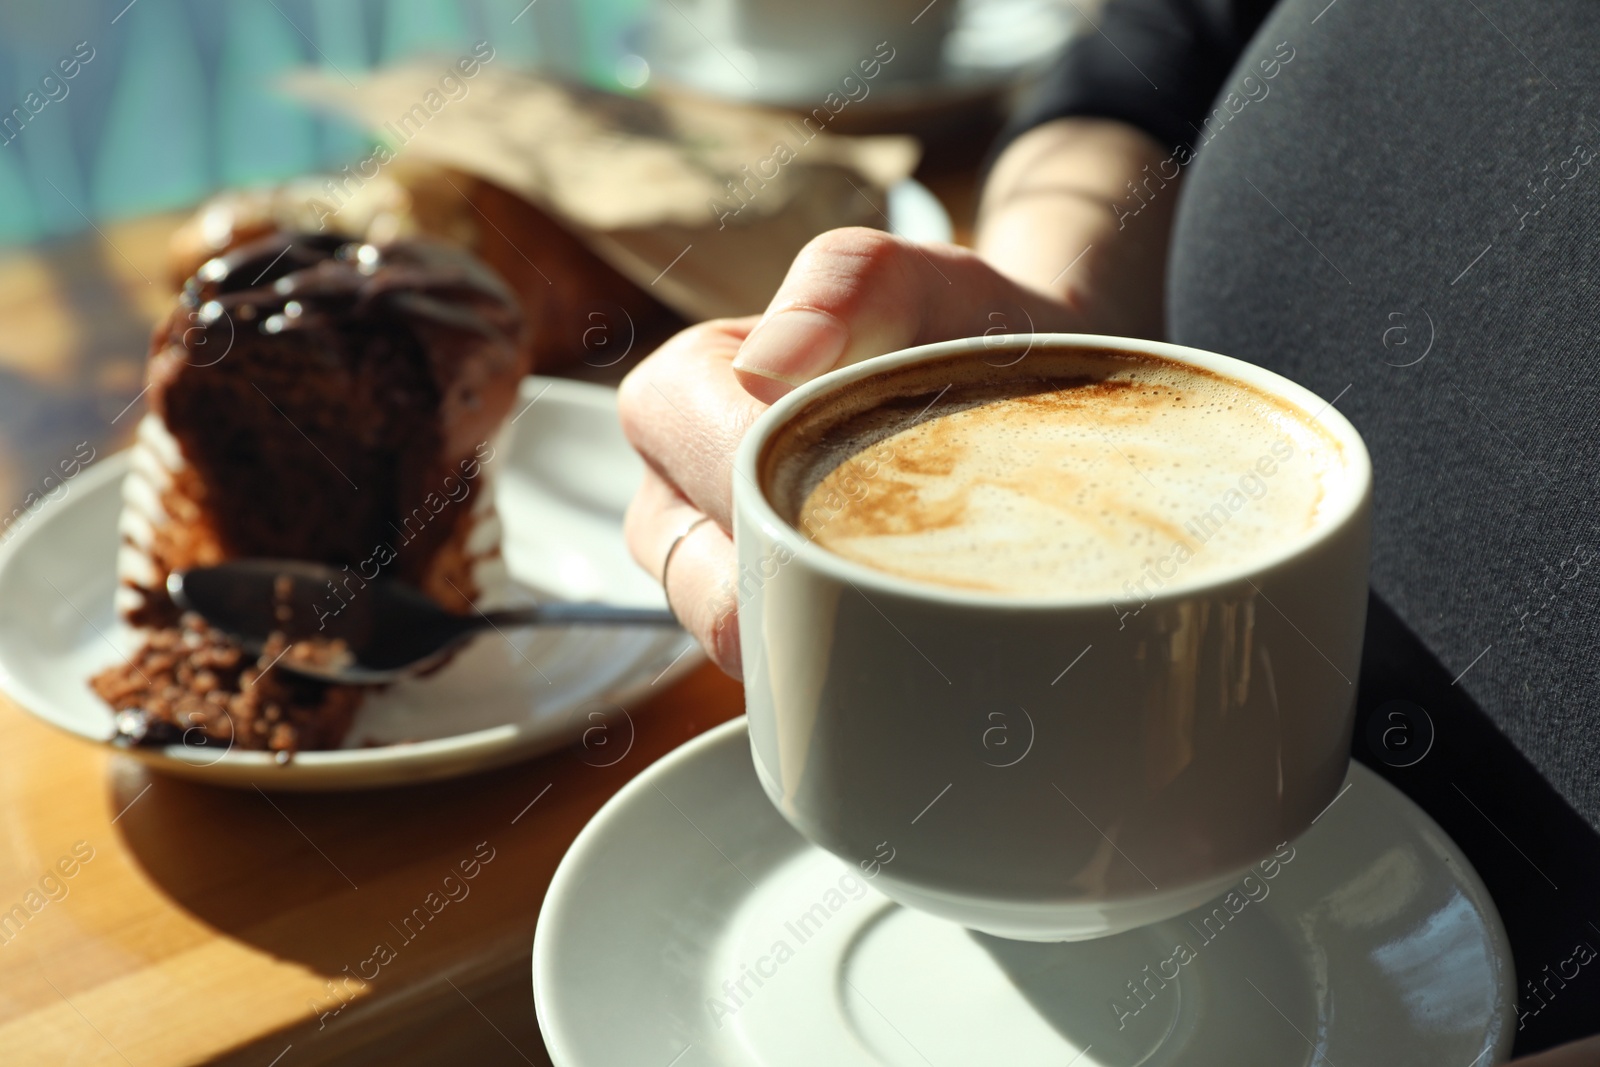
x,y
1073,474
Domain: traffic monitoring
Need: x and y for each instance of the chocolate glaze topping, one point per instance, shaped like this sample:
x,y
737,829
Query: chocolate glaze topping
x,y
320,282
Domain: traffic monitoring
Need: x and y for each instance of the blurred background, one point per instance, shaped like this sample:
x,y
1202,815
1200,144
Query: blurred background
x,y
180,97
118,117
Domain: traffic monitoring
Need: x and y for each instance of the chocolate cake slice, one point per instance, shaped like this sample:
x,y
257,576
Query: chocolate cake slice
x,y
313,399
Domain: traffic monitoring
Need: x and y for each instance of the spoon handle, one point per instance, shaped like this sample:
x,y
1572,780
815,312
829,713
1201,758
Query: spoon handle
x,y
580,614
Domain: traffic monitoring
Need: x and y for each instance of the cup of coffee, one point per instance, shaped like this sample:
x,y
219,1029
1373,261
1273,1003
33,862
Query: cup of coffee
x,y
1054,635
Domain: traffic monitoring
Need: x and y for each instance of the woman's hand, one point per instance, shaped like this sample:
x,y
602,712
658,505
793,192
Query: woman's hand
x,y
1057,257
850,294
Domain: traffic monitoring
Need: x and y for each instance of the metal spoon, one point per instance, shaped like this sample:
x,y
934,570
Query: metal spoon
x,y
389,629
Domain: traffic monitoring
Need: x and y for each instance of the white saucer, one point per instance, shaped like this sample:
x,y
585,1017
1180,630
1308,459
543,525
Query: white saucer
x,y
564,475
992,44
1374,942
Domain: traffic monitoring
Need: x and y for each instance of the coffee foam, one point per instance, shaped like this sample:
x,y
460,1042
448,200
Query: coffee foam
x,y
1072,473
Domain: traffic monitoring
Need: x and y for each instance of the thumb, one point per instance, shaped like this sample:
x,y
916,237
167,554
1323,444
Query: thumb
x,y
856,293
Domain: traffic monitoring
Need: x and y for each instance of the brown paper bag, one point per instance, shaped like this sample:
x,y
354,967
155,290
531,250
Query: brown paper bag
x,y
701,202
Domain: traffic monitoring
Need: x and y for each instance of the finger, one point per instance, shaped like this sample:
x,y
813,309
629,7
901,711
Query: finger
x,y
698,586
1583,1053
685,413
699,590
856,293
656,514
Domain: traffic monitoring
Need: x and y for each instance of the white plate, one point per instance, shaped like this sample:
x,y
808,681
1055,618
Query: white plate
x,y
1373,942
564,476
916,214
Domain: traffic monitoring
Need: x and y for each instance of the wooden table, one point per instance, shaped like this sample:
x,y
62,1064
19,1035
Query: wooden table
x,y
224,926
219,926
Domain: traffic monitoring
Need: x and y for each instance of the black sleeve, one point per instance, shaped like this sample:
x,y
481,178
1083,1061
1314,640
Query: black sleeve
x,y
1155,64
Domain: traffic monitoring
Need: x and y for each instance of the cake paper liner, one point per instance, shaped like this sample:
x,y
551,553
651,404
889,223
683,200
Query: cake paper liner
x,y
155,468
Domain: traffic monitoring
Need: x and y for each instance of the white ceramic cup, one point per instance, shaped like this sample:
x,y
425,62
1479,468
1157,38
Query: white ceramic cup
x,y
937,737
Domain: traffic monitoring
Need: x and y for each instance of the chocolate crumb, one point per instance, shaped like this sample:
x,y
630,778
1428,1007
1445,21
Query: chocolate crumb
x,y
193,685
